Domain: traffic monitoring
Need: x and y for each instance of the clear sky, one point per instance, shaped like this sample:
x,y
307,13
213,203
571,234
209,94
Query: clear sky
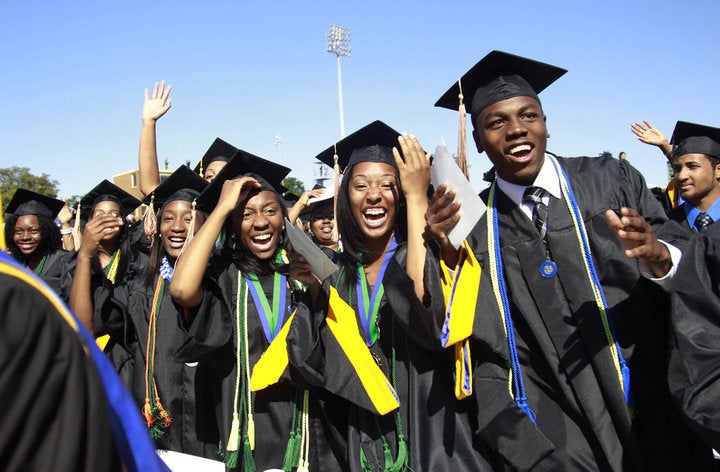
x,y
73,73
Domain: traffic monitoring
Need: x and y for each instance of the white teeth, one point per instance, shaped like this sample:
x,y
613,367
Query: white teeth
x,y
521,148
177,240
262,237
374,211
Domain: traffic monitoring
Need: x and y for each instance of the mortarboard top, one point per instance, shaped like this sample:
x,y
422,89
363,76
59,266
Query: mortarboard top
x,y
27,202
315,203
107,191
268,173
183,184
692,138
219,150
372,143
499,76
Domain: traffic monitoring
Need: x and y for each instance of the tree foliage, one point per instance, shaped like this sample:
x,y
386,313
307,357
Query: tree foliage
x,y
12,178
294,185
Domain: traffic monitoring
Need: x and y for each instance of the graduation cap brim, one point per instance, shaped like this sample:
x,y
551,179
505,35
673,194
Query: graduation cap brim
x,y
693,138
183,184
268,173
101,192
219,150
326,199
27,202
495,78
371,143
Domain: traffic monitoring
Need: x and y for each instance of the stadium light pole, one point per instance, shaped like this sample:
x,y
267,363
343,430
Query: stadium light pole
x,y
339,44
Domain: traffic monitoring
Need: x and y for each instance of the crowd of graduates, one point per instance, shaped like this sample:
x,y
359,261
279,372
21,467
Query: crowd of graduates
x,y
575,327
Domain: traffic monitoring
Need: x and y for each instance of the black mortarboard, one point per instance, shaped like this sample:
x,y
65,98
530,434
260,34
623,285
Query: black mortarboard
x,y
27,202
314,204
107,191
268,173
183,184
691,138
372,143
219,150
499,76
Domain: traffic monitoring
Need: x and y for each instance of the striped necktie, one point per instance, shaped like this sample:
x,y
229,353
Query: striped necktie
x,y
534,195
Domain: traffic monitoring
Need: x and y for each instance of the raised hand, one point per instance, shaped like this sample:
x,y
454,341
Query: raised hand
x,y
415,169
639,240
648,134
98,228
158,104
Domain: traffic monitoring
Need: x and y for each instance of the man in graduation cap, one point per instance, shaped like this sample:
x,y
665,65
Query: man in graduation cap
x,y
570,328
696,170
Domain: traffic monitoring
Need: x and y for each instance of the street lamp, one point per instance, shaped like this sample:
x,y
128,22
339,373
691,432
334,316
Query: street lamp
x,y
339,44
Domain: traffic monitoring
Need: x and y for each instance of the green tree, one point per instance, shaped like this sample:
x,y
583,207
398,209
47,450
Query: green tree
x,y
605,154
294,185
11,178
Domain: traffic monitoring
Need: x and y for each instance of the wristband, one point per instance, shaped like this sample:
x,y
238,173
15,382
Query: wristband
x,y
66,231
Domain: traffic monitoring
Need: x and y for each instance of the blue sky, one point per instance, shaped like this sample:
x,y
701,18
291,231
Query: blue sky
x,y
73,75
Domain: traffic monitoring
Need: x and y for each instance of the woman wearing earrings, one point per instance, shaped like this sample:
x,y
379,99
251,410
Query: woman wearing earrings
x,y
369,346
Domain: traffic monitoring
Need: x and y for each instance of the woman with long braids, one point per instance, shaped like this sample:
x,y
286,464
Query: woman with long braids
x,y
267,422
369,346
176,398
33,238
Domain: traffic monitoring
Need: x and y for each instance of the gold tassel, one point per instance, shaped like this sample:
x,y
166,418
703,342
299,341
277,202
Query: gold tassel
x,y
150,221
233,440
462,136
251,431
336,169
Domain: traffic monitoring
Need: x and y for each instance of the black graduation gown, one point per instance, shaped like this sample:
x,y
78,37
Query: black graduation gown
x,y
55,412
571,383
677,214
694,373
185,388
54,270
212,337
437,427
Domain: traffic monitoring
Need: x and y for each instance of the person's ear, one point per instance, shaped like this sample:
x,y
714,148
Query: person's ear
x,y
478,144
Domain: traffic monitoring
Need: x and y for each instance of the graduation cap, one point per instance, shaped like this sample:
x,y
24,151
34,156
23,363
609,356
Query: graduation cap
x,y
27,202
107,191
692,138
499,76
315,203
219,150
372,143
268,173
183,184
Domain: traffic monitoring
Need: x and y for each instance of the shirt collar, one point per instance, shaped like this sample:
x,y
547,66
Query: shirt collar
x,y
691,213
547,179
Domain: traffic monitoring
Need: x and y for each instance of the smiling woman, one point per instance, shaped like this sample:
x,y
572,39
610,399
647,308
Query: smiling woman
x,y
34,239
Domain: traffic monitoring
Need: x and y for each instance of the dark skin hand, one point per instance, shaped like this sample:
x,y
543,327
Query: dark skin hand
x,y
441,216
639,240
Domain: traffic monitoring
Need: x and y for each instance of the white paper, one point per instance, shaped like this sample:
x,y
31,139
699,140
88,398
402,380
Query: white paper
x,y
320,264
445,170
180,462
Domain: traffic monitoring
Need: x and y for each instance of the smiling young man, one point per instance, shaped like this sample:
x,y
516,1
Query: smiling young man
x,y
569,335
696,169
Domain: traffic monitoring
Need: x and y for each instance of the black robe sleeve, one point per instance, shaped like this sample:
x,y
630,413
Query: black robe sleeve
x,y
694,373
55,415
